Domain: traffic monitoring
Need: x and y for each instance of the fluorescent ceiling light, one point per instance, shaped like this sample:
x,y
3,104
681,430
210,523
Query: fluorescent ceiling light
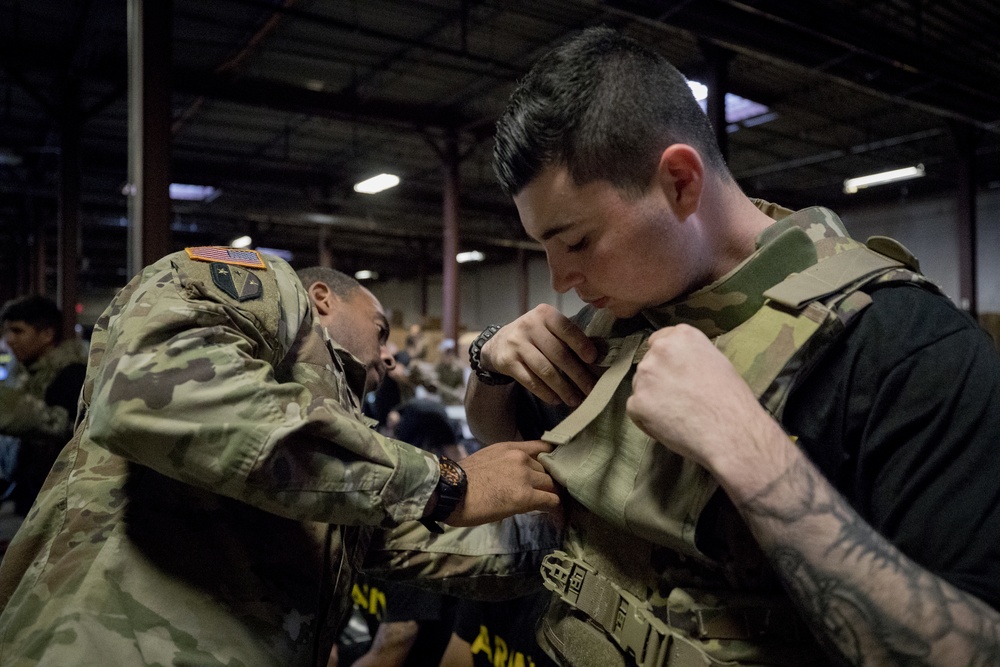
x,y
9,158
377,184
470,256
241,242
186,192
852,185
321,218
737,108
365,274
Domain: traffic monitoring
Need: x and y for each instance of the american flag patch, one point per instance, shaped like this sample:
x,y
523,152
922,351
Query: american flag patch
x,y
237,256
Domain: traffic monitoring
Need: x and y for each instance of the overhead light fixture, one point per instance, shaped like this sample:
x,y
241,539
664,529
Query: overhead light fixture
x,y
365,274
9,158
180,192
470,256
241,242
377,184
852,185
188,192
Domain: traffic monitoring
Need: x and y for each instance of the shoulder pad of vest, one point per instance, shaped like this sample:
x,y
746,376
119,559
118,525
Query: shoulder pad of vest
x,y
839,273
893,249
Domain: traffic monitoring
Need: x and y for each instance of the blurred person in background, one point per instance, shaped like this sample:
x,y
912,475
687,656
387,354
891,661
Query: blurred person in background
x,y
38,399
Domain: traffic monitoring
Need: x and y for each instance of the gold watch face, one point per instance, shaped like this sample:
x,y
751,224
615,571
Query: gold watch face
x,y
450,472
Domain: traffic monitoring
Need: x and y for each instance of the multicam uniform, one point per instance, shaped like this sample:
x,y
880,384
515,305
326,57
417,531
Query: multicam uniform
x,y
220,490
23,409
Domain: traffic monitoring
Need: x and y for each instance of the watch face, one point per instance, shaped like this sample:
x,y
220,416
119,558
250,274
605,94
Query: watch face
x,y
450,472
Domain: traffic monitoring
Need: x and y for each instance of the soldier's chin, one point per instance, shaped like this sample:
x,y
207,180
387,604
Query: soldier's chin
x,y
622,311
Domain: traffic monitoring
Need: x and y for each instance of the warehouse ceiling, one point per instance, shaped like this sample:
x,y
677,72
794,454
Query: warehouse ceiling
x,y
283,105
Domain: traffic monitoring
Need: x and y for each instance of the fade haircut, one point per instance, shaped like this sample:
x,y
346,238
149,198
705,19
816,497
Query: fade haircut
x,y
38,311
339,283
605,107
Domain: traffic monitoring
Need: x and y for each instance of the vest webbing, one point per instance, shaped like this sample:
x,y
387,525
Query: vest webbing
x,y
623,481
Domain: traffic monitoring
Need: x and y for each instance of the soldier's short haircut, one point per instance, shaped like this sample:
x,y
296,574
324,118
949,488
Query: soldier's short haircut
x,y
339,283
605,107
38,311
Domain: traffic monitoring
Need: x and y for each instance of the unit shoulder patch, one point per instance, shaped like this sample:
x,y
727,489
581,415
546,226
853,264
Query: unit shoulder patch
x,y
235,256
241,284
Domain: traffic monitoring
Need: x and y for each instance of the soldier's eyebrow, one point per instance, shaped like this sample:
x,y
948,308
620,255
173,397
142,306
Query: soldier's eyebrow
x,y
555,231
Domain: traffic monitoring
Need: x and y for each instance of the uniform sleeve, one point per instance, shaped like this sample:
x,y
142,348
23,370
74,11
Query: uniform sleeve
x,y
186,385
24,415
495,561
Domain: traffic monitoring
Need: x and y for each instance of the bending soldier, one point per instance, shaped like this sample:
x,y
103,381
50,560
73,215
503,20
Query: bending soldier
x,y
223,484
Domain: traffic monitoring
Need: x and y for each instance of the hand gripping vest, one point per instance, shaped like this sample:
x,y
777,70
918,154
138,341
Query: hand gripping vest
x,y
633,572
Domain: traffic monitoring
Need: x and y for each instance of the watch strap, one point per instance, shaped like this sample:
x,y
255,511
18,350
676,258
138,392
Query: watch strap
x,y
475,352
451,487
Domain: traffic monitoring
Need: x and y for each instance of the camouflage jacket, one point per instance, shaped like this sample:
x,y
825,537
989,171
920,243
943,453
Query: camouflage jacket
x,y
221,487
23,411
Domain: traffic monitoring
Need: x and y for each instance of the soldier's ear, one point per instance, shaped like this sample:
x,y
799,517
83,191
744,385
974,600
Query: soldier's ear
x,y
47,336
681,175
322,297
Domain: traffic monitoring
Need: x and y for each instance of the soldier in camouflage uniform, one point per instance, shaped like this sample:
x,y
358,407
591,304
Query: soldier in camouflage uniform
x,y
223,485
38,401
699,532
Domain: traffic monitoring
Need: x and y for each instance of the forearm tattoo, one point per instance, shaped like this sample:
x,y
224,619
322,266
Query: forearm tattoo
x,y
867,603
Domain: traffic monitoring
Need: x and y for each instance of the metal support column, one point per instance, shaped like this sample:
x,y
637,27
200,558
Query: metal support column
x,y
422,281
965,213
68,263
149,28
718,59
449,265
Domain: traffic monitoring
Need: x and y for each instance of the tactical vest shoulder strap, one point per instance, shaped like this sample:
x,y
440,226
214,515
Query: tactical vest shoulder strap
x,y
808,311
830,276
621,354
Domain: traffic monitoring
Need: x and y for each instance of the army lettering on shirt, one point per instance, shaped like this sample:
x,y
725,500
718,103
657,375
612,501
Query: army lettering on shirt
x,y
369,600
497,652
502,634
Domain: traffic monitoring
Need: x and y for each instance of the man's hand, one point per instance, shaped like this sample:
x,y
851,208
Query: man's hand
x,y
689,397
505,479
545,352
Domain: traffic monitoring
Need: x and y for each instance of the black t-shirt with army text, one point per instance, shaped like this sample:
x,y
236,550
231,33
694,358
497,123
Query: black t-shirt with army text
x,y
503,632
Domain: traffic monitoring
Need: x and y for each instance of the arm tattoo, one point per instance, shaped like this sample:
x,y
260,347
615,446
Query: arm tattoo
x,y
867,603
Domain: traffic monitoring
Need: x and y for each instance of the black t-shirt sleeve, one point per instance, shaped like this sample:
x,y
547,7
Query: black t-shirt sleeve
x,y
903,416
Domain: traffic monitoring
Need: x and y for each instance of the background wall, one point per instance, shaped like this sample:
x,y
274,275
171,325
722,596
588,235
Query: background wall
x,y
489,294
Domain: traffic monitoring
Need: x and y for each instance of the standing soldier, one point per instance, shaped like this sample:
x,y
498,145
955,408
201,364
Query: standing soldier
x,y
805,449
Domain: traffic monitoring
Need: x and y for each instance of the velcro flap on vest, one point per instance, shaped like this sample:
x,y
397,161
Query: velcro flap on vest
x,y
829,276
